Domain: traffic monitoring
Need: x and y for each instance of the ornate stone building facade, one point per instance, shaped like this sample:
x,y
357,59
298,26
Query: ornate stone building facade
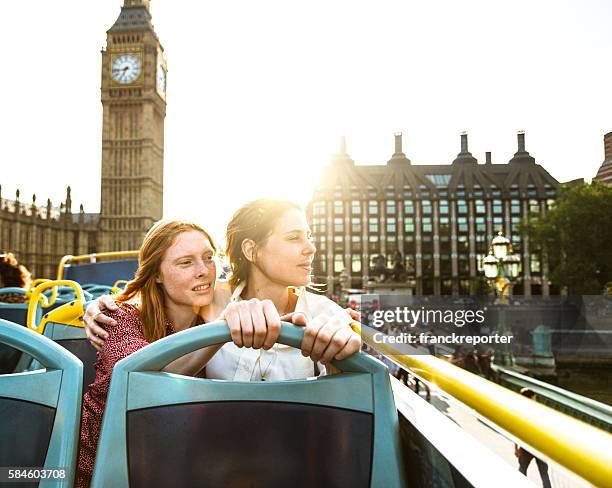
x,y
426,227
40,235
133,91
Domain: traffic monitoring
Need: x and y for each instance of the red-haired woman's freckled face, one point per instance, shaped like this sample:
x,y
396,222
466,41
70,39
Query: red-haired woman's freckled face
x,y
188,271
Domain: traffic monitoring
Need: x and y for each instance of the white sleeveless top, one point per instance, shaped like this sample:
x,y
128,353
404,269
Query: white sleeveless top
x,y
279,362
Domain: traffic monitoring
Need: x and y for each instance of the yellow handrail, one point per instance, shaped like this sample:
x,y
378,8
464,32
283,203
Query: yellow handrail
x,y
69,314
92,258
577,446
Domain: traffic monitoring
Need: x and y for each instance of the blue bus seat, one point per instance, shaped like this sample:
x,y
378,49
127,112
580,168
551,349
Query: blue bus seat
x,y
40,410
339,430
11,359
64,325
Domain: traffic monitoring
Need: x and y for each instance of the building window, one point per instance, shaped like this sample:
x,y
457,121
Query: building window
x,y
534,207
464,265
462,225
445,265
373,208
462,243
426,207
515,225
338,207
443,205
338,238
373,225
323,263
356,224
498,224
535,263
427,263
497,207
426,224
462,207
481,225
444,227
515,207
355,207
408,207
338,263
391,209
356,263
409,224
550,203
338,224
318,208
480,207
373,239
391,225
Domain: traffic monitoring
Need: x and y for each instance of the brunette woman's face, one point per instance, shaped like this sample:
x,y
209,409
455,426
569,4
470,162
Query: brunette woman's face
x,y
188,271
286,256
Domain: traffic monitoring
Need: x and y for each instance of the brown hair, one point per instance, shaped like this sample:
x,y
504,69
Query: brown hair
x,y
255,221
144,285
12,273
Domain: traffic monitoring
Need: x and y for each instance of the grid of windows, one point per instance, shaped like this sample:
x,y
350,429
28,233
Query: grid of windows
x,y
373,208
338,207
408,207
338,224
355,207
426,224
426,207
391,207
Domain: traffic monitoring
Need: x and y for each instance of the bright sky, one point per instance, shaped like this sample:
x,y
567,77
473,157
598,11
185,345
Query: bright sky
x,y
259,92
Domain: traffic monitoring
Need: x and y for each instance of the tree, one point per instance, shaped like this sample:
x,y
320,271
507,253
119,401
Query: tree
x,y
576,237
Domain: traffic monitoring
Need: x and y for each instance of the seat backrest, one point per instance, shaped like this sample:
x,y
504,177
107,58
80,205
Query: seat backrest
x,y
40,410
101,273
11,359
65,326
339,430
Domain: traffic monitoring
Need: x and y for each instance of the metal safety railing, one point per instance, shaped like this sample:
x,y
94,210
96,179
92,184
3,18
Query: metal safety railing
x,y
575,445
586,409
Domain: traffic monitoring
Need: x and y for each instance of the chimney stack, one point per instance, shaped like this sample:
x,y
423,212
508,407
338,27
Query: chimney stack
x,y
398,143
464,142
521,141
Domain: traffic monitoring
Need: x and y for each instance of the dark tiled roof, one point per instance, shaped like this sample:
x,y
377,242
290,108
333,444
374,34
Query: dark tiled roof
x,y
521,175
132,18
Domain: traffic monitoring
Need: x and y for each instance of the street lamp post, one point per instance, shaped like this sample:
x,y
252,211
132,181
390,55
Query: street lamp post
x,y
501,268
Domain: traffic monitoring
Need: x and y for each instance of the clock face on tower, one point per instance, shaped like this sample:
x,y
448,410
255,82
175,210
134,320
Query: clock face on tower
x,y
126,68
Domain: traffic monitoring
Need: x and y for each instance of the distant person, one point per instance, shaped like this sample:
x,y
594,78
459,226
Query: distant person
x,y
525,457
470,363
13,275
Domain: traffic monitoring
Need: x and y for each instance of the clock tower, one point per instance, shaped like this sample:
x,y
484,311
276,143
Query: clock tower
x,y
134,107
